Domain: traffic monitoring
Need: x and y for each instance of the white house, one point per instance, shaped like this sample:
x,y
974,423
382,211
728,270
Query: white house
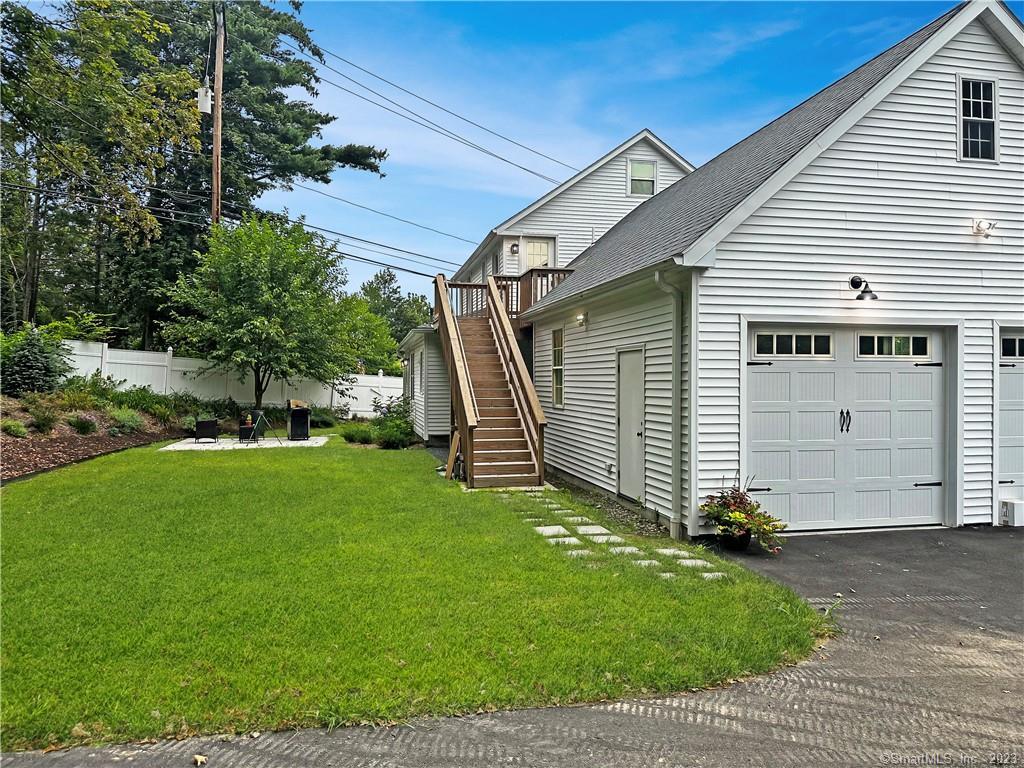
x,y
547,234
833,307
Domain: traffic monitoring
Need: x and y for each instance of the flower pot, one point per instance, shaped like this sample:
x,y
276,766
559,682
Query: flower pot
x,y
735,542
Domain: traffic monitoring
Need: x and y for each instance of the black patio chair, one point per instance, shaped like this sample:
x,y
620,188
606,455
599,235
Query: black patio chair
x,y
207,429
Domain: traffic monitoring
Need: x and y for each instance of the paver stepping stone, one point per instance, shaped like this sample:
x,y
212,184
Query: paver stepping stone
x,y
578,552
693,563
533,519
647,563
564,540
592,530
667,575
674,552
606,539
551,530
577,519
713,575
624,550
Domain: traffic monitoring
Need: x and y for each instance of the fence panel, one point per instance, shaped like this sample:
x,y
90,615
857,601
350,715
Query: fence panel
x,y
164,373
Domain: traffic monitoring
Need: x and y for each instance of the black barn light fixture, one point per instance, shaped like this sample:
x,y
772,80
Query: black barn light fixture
x,y
859,283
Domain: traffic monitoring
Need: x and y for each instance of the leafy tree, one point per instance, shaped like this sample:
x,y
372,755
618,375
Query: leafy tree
x,y
402,313
265,300
104,154
369,338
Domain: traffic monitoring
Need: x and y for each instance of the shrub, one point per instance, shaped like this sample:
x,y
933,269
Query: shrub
x,y
78,400
188,423
44,417
358,433
126,420
163,415
113,431
83,425
138,398
101,388
322,417
13,427
31,363
393,423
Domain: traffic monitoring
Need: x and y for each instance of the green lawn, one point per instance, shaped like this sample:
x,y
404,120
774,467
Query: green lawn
x,y
152,594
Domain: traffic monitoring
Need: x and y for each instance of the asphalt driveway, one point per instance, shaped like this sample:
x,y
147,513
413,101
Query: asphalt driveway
x,y
930,667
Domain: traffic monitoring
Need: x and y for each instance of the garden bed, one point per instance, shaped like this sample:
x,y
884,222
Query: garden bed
x,y
38,452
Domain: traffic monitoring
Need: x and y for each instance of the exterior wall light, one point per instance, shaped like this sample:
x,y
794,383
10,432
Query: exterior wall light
x,y
983,227
514,249
859,283
581,319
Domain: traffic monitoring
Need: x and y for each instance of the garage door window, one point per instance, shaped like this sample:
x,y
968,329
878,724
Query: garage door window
x,y
891,345
793,345
1013,346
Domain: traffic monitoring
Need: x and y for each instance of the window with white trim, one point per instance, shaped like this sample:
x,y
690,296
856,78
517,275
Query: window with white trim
x,y
538,253
886,345
557,367
1012,346
641,177
793,345
977,119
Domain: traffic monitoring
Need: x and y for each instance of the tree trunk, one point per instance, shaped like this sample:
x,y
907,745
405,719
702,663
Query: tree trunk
x,y
259,387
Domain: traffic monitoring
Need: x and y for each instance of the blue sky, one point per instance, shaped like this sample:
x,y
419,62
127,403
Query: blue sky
x,y
569,79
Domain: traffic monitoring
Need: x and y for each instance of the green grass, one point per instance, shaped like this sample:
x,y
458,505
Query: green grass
x,y
152,594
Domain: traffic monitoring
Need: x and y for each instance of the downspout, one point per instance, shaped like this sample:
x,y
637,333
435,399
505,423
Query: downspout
x,y
665,283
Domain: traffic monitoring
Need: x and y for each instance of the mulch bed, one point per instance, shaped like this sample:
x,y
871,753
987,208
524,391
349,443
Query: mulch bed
x,y
28,455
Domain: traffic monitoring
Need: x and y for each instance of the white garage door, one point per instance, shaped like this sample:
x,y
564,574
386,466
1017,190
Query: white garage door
x,y
845,427
1011,415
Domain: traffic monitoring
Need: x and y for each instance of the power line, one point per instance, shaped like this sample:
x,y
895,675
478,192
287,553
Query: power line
x,y
416,118
381,213
99,202
445,109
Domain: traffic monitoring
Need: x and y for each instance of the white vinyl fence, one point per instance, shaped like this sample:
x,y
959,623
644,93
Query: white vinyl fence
x,y
164,373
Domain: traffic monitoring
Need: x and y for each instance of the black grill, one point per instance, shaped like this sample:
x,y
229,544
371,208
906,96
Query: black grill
x,y
298,421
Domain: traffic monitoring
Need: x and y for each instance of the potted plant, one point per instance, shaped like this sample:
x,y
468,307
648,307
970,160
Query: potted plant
x,y
738,518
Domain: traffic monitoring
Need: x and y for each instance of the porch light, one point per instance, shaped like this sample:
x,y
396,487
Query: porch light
x,y
859,283
581,319
983,227
514,250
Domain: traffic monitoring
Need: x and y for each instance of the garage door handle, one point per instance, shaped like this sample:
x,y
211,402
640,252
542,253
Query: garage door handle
x,y
927,485
844,421
1007,482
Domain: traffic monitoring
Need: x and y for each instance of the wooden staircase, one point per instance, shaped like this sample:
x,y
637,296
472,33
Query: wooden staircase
x,y
501,455
499,424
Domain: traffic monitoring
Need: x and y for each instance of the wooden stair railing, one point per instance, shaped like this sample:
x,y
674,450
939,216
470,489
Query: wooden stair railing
x,y
523,392
463,401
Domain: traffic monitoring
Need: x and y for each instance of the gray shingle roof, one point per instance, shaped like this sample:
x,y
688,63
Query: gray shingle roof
x,y
671,221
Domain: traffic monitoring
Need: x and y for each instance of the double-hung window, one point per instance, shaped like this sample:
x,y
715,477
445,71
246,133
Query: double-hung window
x,y
641,177
977,119
557,367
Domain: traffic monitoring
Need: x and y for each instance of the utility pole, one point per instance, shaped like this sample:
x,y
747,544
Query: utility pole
x,y
218,103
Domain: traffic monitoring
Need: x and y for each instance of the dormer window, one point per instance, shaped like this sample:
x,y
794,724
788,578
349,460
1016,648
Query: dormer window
x,y
641,177
977,119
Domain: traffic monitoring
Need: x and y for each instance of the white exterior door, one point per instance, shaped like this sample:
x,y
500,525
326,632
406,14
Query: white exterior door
x,y
845,426
1011,415
631,423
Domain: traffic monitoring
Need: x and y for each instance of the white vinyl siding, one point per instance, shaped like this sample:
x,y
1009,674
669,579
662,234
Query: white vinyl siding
x,y
892,202
590,207
580,437
426,383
